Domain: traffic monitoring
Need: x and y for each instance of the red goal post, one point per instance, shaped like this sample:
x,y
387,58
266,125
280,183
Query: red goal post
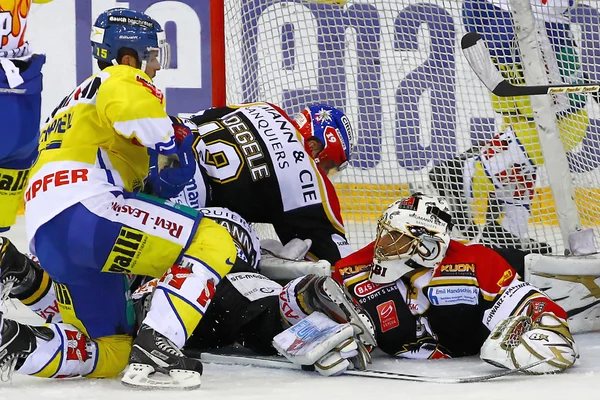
x,y
217,35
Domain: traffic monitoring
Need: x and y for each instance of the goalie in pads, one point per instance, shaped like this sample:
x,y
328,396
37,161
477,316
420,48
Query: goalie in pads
x,y
430,297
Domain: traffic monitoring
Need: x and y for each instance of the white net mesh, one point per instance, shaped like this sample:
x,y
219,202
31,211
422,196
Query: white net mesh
x,y
395,68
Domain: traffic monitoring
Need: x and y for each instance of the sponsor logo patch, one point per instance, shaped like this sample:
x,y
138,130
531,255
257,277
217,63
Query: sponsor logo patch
x,y
452,295
76,346
506,276
125,251
55,179
457,269
388,317
254,286
365,288
352,269
156,92
14,181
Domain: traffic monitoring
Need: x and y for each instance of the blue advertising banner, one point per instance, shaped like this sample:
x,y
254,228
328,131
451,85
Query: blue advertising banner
x,y
436,76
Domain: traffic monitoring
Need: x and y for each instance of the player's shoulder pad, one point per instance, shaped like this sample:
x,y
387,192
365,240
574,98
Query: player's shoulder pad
x,y
490,269
137,82
354,263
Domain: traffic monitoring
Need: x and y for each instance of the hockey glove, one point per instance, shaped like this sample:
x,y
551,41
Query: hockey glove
x,y
317,340
517,341
180,128
169,181
295,249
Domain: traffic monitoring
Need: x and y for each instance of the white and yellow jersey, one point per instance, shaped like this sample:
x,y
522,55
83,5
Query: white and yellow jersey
x,y
13,24
97,141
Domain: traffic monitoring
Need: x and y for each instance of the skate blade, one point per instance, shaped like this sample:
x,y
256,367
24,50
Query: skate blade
x,y
143,376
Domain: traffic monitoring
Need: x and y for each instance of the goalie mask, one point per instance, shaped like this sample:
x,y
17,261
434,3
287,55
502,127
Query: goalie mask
x,y
331,128
413,232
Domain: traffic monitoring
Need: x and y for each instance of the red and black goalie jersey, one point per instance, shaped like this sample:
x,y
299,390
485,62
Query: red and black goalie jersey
x,y
446,312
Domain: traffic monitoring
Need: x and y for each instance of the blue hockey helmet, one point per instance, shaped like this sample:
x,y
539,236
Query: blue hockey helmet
x,y
121,27
332,128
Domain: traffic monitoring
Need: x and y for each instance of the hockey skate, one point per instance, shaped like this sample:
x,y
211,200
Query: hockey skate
x,y
322,293
17,342
15,268
493,235
153,353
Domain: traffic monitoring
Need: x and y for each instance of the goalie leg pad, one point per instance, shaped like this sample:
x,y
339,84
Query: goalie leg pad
x,y
332,295
336,361
302,296
319,341
278,268
571,283
295,249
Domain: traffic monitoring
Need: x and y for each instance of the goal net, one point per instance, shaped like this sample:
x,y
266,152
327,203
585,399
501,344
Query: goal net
x,y
396,69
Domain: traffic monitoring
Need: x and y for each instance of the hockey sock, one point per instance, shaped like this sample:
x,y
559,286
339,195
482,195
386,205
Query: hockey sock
x,y
62,352
179,302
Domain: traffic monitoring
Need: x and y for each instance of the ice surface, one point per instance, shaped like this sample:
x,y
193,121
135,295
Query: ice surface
x,y
222,382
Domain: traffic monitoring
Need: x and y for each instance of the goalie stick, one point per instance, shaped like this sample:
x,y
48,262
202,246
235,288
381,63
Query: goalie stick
x,y
284,364
480,60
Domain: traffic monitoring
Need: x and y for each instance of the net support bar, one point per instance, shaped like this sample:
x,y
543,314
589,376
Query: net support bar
x,y
554,153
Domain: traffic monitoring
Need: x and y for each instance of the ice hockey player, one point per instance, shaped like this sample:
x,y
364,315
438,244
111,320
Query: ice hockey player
x,y
245,307
427,297
255,151
244,310
503,170
20,104
90,228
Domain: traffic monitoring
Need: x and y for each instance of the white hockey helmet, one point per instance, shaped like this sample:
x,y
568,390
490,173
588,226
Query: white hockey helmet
x,y
413,232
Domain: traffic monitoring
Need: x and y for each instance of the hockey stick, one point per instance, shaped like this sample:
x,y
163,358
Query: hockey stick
x,y
479,58
284,364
